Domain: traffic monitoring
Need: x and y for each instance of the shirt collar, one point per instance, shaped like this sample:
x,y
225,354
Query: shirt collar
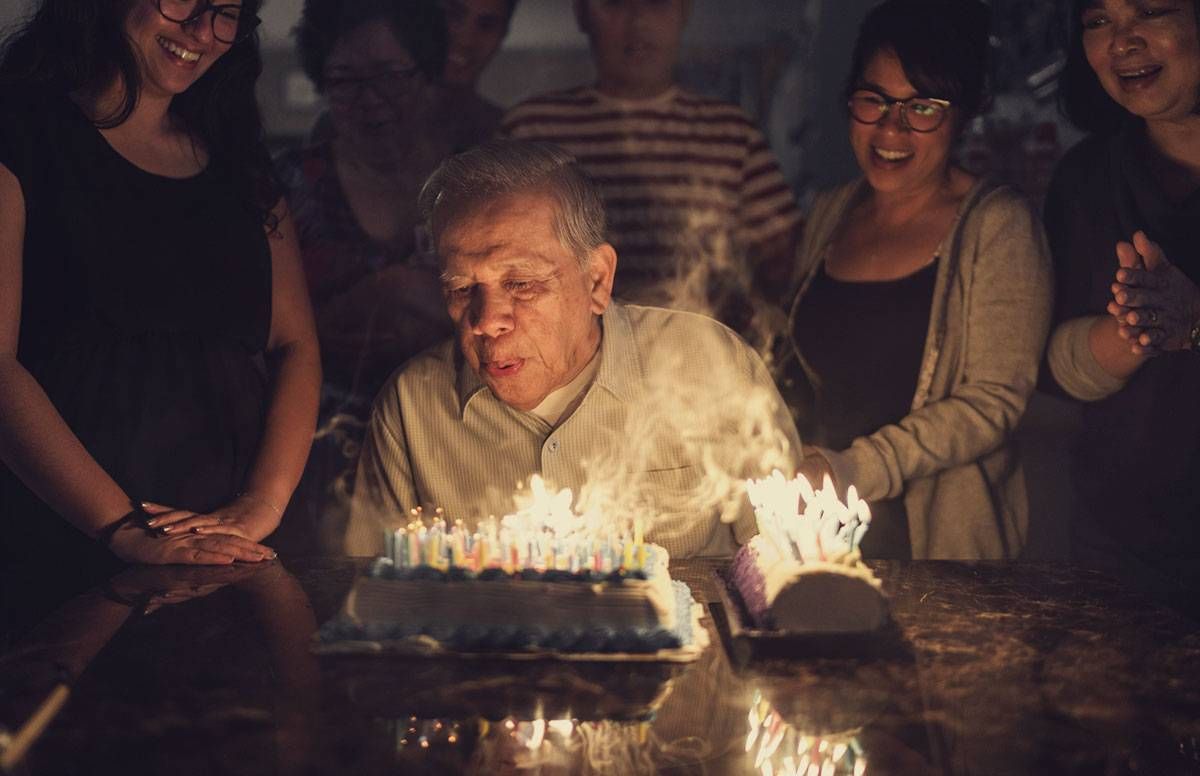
x,y
620,370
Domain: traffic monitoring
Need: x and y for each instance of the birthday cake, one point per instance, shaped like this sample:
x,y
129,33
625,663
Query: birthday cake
x,y
803,572
543,580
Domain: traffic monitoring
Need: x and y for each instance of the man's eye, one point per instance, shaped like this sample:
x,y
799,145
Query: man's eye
x,y
519,286
458,292
1095,21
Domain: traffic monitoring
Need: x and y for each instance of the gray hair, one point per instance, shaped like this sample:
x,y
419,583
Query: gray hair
x,y
502,168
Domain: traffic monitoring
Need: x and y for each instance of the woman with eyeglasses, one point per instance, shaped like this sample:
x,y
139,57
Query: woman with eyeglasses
x,y
1123,216
375,290
924,300
158,364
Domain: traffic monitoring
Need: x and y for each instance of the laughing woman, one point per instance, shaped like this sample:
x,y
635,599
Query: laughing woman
x,y
925,300
156,344
1123,214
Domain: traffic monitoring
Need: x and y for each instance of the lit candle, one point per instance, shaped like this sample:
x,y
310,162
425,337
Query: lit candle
x,y
456,550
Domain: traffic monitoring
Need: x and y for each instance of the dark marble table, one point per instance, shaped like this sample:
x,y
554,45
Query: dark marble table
x,y
998,669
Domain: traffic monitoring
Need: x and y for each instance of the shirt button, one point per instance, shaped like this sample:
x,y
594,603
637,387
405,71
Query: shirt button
x,y
553,445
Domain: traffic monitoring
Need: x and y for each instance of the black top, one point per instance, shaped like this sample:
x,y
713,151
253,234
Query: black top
x,y
145,311
864,342
1138,461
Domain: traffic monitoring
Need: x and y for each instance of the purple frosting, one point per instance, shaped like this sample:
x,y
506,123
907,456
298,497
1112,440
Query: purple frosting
x,y
751,584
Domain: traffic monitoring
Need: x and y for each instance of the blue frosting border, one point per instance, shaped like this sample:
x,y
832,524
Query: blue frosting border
x,y
512,638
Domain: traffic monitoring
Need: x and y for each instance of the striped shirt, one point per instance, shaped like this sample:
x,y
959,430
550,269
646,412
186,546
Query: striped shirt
x,y
680,412
685,179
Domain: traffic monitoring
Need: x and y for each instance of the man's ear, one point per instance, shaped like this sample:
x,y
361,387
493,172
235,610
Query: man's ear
x,y
581,16
601,269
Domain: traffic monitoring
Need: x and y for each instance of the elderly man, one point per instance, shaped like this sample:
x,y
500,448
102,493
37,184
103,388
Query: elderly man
x,y
639,410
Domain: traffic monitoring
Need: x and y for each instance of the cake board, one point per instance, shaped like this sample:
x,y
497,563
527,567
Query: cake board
x,y
746,644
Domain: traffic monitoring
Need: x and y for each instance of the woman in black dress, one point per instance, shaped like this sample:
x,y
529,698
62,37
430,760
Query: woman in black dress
x,y
158,366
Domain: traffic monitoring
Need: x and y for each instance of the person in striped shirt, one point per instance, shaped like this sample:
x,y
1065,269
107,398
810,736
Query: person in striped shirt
x,y
697,204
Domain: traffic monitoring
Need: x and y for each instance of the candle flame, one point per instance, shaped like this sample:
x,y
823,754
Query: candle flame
x,y
811,525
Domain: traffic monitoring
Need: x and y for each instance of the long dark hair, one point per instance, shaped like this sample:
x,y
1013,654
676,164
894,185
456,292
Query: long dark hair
x,y
68,46
1081,97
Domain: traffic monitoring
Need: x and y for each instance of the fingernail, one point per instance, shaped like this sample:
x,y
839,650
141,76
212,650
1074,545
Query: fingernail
x,y
197,530
144,504
274,555
167,529
152,523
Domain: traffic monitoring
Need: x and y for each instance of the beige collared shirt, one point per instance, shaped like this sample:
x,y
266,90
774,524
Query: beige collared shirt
x,y
679,413
562,401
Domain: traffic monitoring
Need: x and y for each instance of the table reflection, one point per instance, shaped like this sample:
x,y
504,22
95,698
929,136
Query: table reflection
x,y
1000,668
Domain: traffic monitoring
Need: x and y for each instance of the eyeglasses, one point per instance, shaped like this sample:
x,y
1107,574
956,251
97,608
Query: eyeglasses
x,y
389,84
229,24
920,114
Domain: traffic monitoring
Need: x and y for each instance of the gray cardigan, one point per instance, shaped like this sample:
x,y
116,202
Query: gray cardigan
x,y
952,456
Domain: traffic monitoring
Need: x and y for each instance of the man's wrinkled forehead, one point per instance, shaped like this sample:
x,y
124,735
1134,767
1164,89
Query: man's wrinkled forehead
x,y
498,231
454,223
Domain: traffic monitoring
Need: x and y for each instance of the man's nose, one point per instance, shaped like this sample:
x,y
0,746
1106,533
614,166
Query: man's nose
x,y
491,312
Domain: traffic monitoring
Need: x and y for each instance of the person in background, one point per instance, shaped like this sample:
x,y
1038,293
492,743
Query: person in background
x,y
1123,217
924,302
696,202
158,365
376,294
476,29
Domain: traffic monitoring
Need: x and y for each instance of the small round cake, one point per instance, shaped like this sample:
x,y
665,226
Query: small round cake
x,y
803,572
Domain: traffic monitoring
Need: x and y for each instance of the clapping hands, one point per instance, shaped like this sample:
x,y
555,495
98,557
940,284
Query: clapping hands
x,y
1154,303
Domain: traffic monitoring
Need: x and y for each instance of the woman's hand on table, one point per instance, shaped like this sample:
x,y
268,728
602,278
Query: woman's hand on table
x,y
247,517
1155,304
136,543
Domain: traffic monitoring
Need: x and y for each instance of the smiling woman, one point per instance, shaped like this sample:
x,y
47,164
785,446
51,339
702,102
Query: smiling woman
x,y
1122,213
925,300
149,273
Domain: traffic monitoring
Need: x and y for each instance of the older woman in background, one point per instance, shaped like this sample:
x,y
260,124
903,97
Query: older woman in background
x,y
924,301
376,293
1123,215
354,195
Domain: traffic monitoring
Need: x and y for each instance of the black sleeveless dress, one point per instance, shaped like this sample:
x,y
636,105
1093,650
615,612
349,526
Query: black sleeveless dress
x,y
145,313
